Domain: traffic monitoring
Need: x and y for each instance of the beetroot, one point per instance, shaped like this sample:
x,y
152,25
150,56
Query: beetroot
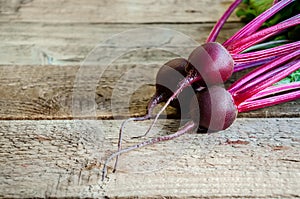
x,y
212,63
167,79
213,108
209,64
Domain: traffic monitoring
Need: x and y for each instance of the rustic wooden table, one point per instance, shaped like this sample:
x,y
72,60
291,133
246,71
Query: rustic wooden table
x,y
49,149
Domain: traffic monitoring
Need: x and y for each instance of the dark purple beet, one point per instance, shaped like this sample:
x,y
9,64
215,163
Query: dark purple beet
x,y
209,64
170,74
212,63
213,108
167,79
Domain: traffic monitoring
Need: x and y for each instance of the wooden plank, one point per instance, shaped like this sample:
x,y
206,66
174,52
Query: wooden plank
x,y
117,11
64,92
69,43
252,159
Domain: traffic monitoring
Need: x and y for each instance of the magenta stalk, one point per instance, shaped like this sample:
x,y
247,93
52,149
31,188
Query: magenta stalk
x,y
261,35
260,70
256,23
272,90
217,28
244,94
290,92
262,54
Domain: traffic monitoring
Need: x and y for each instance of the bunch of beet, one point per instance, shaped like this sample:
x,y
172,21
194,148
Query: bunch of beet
x,y
212,107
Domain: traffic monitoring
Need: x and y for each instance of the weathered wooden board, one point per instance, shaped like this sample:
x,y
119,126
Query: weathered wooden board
x,y
116,11
64,92
252,159
69,44
43,44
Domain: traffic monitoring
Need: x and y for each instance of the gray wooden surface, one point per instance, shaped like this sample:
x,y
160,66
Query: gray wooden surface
x,y
43,45
69,43
117,11
254,158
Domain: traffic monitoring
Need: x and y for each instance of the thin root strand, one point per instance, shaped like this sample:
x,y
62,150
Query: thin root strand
x,y
186,128
148,116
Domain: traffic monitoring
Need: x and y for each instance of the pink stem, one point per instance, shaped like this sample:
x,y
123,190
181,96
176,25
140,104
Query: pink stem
x,y
243,66
244,94
259,36
262,54
260,70
265,45
264,76
256,23
217,28
270,101
272,90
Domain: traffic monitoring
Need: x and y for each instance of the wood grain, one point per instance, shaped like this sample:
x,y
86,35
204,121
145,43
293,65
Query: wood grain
x,y
69,44
42,78
65,92
116,11
252,159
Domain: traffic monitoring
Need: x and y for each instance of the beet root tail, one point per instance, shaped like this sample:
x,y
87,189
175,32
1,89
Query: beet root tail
x,y
189,126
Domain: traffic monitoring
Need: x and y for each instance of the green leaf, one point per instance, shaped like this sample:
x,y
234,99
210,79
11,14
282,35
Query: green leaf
x,y
294,77
250,9
260,5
